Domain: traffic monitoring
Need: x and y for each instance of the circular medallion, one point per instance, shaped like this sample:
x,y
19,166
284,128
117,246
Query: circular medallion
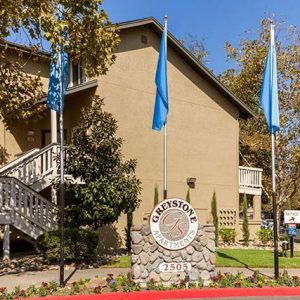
x,y
174,224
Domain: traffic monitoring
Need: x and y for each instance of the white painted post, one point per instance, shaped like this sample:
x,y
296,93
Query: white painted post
x,y
31,206
53,126
2,202
6,244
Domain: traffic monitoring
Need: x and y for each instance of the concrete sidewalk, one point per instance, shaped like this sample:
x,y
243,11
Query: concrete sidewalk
x,y
26,279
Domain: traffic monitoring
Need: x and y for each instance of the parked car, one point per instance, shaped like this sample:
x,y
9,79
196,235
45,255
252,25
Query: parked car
x,y
267,224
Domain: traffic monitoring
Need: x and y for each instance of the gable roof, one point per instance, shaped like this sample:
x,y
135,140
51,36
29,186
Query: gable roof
x,y
32,50
245,111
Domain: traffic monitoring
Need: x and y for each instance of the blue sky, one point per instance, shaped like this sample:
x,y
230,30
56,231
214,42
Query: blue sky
x,y
217,21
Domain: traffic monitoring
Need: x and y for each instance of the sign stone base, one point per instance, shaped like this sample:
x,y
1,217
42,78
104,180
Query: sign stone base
x,y
147,256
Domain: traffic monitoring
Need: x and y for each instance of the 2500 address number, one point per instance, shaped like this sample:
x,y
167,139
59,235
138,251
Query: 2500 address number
x,y
175,267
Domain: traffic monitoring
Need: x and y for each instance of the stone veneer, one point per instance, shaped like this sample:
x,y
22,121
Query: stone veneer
x,y
147,255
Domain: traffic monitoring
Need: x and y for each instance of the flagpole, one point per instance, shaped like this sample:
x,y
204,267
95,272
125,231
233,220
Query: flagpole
x,y
165,163
62,199
276,258
161,106
165,127
53,117
273,138
57,88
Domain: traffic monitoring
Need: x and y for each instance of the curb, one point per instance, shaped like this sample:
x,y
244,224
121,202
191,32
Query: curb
x,y
200,293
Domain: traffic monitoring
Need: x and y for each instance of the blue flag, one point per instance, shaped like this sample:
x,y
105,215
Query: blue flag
x,y
58,83
269,89
161,102
59,78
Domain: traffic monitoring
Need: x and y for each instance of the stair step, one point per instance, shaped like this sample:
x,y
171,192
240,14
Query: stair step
x,y
25,209
28,227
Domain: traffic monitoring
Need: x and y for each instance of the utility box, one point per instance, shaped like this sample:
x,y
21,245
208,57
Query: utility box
x,y
285,245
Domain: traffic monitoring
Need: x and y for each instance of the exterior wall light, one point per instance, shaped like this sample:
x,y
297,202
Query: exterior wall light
x,y
191,182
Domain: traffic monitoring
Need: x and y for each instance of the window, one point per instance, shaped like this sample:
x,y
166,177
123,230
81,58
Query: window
x,y
77,75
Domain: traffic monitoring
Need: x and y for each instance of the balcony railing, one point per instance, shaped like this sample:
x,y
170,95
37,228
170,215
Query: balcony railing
x,y
250,180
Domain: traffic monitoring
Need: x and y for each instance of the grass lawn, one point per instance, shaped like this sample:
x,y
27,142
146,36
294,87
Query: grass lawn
x,y
232,258
254,259
120,262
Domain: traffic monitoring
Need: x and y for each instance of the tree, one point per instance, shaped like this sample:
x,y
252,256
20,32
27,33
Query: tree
x,y
197,47
156,197
246,233
89,38
245,81
214,212
110,185
129,223
188,197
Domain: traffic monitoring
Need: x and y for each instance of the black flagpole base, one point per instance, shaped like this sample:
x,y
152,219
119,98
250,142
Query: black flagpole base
x,y
62,238
276,256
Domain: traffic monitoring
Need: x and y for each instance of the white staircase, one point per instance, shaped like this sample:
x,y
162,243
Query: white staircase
x,y
36,168
25,209
21,206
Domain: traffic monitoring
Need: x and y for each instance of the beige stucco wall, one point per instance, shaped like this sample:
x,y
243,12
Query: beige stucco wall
x,y
202,126
15,139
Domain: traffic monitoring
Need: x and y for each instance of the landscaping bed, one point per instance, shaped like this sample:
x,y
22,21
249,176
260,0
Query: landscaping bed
x,y
123,283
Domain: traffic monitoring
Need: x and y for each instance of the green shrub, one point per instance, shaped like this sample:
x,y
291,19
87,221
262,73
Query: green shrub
x,y
227,235
156,197
127,231
246,233
265,236
188,197
214,212
80,245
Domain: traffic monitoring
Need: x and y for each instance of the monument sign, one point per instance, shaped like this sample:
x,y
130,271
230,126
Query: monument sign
x,y
172,246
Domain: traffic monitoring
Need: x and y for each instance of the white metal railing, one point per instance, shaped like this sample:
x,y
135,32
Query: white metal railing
x,y
31,168
250,177
27,204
